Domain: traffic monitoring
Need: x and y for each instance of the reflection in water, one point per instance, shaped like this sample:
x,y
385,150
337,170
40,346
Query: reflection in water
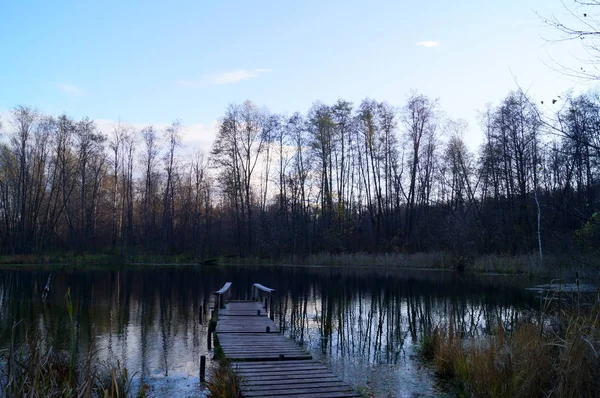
x,y
364,323
147,319
367,326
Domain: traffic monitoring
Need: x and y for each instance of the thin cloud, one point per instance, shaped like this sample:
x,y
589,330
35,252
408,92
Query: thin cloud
x,y
195,136
428,43
228,77
69,89
4,118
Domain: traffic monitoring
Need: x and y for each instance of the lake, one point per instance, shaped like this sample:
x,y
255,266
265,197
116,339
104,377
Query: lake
x,y
365,323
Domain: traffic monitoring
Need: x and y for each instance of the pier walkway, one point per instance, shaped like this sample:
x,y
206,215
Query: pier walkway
x,y
268,363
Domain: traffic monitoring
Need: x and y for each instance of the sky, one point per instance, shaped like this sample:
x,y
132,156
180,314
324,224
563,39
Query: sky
x,y
153,62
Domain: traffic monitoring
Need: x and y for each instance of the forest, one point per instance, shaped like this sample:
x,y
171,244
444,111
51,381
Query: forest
x,y
343,178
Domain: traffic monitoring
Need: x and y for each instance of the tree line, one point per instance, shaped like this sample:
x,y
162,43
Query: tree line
x,y
368,177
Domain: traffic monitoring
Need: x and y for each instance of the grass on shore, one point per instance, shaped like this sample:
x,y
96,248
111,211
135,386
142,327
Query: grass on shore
x,y
72,258
553,265
60,258
31,368
555,355
223,382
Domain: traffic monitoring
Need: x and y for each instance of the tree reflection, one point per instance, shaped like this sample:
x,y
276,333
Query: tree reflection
x,y
148,318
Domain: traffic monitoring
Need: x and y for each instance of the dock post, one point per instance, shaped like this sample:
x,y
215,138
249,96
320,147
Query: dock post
x,y
217,303
203,368
266,302
268,329
200,314
209,339
257,312
271,307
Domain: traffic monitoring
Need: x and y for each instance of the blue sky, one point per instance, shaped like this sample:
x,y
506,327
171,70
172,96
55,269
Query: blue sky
x,y
152,62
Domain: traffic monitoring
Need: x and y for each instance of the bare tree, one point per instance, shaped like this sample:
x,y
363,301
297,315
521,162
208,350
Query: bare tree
x,y
200,189
581,24
337,178
419,117
298,181
90,166
24,122
149,160
322,141
128,157
115,145
173,140
241,139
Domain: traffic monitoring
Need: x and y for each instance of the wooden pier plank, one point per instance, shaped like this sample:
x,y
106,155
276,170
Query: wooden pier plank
x,y
290,387
255,382
315,392
275,373
300,374
269,364
321,395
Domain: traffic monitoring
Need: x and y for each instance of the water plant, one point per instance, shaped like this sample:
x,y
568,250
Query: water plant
x,y
223,382
555,354
34,368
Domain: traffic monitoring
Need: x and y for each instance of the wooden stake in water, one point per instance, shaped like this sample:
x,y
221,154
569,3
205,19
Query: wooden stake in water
x,y
203,368
46,288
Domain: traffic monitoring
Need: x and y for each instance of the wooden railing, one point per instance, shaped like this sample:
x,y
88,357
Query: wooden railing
x,y
268,300
263,288
219,299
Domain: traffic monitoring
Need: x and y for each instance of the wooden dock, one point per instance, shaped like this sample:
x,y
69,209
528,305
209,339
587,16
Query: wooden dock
x,y
268,363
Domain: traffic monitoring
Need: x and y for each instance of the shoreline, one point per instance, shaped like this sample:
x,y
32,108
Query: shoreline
x,y
582,265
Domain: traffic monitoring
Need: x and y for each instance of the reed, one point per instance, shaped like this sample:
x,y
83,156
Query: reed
x,y
35,369
223,382
557,354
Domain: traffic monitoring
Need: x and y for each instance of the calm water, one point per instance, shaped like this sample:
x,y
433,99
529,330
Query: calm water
x,y
365,323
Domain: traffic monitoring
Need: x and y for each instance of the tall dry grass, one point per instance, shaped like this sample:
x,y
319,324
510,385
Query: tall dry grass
x,y
552,266
434,260
223,381
31,368
555,355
